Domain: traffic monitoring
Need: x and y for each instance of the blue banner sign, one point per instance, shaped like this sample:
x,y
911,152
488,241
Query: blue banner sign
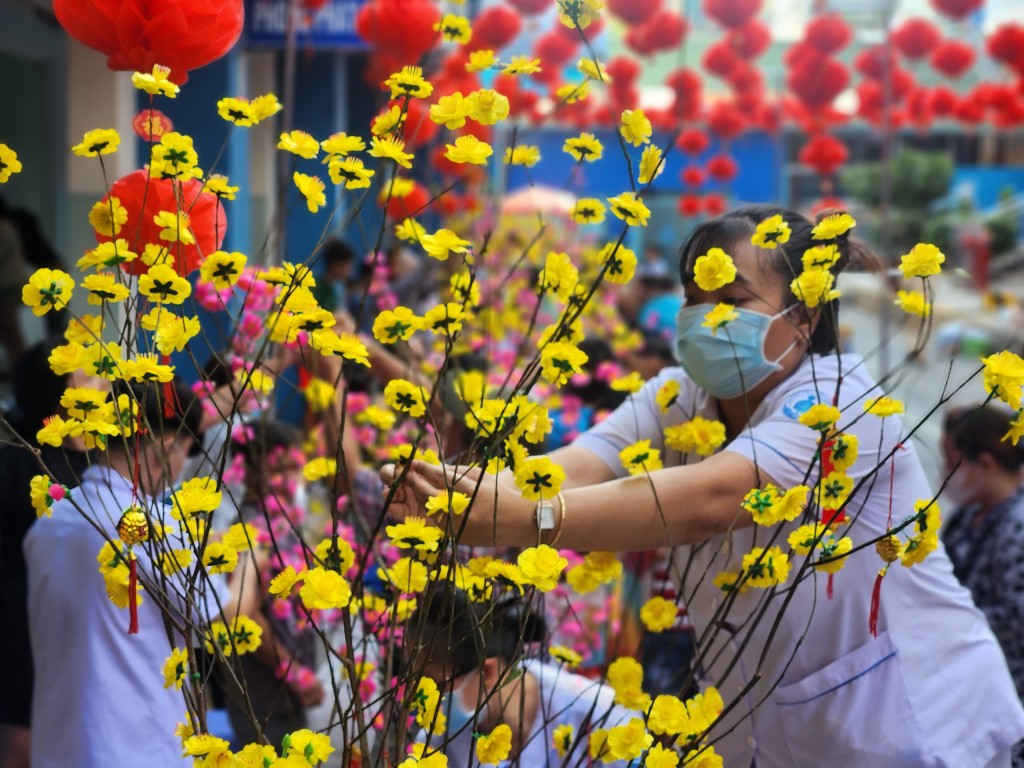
x,y
332,26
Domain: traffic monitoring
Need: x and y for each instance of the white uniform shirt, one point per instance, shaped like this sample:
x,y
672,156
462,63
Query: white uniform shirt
x,y
99,698
565,698
932,689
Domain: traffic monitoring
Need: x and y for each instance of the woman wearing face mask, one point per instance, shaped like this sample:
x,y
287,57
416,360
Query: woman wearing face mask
x,y
985,536
279,679
805,680
474,653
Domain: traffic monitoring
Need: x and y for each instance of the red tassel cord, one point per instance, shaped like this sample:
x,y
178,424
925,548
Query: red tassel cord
x,y
133,596
876,602
889,550
171,405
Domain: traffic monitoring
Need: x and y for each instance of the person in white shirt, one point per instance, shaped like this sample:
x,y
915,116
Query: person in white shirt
x,y
99,697
474,653
811,683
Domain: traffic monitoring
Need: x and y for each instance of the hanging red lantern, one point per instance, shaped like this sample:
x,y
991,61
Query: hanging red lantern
x,y
1006,43
751,40
692,176
531,7
714,204
725,120
638,38
623,97
732,13
553,50
633,11
919,107
969,109
722,168
915,38
828,33
495,27
519,99
622,69
143,198
817,86
957,9
693,142
824,153
952,57
419,128
403,27
942,100
768,117
137,34
665,30
747,79
688,89
411,204
802,54
150,124
720,59
689,205
873,60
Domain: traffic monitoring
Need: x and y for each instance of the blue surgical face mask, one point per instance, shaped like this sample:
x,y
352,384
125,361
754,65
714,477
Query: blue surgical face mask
x,y
731,362
459,718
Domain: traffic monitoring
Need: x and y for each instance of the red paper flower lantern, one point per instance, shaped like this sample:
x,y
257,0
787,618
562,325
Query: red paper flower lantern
x,y
726,120
150,124
554,50
969,109
136,34
520,99
915,38
824,154
410,205
692,176
732,13
952,57
405,27
1006,44
637,38
714,204
689,205
144,198
802,54
720,59
495,27
817,86
957,9
722,168
828,33
768,117
665,30
622,69
531,7
751,40
943,100
419,128
873,60
693,142
633,11
689,93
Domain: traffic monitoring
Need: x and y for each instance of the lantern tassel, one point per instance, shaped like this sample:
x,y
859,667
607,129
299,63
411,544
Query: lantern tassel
x,y
171,406
876,603
133,598
828,588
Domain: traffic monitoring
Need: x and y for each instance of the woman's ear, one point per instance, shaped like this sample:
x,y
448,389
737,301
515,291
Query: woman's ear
x,y
805,320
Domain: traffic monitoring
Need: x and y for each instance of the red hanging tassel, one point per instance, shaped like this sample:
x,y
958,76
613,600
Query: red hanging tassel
x,y
305,376
171,405
828,589
133,598
876,603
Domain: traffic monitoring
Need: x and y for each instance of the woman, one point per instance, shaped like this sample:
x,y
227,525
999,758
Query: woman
x,y
473,653
810,682
985,537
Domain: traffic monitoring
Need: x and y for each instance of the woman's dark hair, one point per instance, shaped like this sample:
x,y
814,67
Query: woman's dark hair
x,y
979,429
732,228
37,389
462,635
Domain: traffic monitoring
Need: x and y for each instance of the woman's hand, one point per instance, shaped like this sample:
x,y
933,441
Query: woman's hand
x,y
498,514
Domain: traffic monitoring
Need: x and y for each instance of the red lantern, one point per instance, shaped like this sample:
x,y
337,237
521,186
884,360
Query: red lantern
x,y
623,69
747,79
520,100
802,54
828,33
824,154
665,30
689,93
714,204
969,109
751,40
633,11
554,50
768,117
919,107
1006,44
410,205
943,100
419,128
624,97
144,198
722,168
150,124
404,27
828,204
732,13
915,38
952,57
136,34
872,61
531,7
689,205
495,27
819,85
957,9
726,121
638,38
720,59
693,142
692,176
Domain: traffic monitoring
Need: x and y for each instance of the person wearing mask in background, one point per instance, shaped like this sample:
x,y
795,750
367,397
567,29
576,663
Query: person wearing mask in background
x,y
923,681
985,535
474,653
37,394
99,699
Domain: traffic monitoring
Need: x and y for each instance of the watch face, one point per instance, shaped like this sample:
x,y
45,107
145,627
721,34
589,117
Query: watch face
x,y
545,516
